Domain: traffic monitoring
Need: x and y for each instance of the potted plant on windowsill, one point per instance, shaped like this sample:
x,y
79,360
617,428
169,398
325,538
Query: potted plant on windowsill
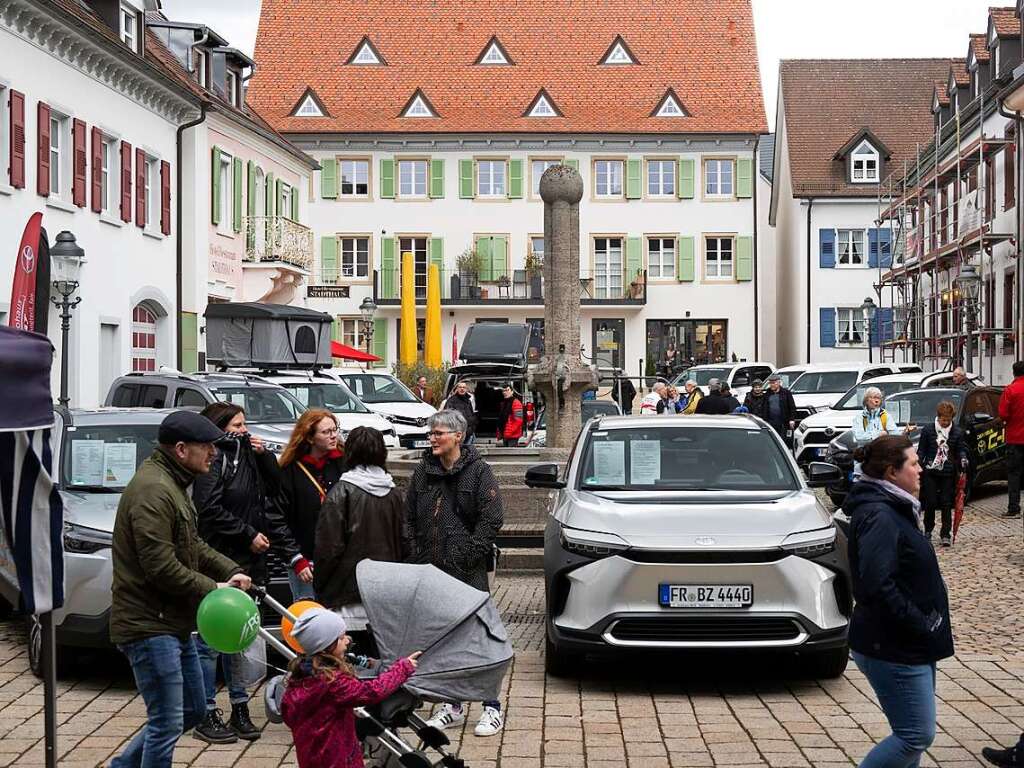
x,y
468,263
535,272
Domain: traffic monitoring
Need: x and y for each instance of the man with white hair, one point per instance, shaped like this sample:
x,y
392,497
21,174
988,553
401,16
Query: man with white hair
x,y
693,397
654,401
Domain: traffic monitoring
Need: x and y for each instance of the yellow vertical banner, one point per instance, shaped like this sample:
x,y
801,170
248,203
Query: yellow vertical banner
x,y
407,344
432,332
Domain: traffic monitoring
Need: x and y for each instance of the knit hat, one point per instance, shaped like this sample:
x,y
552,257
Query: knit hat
x,y
317,630
757,383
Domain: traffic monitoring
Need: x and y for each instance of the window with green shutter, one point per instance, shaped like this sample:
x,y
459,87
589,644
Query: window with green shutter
x,y
515,179
685,187
686,269
250,205
215,190
744,177
268,195
388,272
279,198
634,261
387,179
573,163
329,259
499,257
236,194
483,251
436,179
329,178
744,259
295,204
634,182
437,257
466,179
380,338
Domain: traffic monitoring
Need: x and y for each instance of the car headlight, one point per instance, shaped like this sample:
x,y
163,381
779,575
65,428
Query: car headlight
x,y
273,447
590,543
86,541
802,427
811,544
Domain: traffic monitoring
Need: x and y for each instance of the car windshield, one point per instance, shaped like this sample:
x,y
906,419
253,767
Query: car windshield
x,y
918,407
685,459
854,399
704,375
824,381
102,459
263,405
788,377
334,396
376,388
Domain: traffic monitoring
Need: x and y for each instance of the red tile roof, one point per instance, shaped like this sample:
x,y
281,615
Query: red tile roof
x,y
979,45
890,97
705,51
942,91
959,71
1006,20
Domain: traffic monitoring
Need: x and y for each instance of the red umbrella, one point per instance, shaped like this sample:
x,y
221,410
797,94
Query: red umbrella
x,y
958,506
346,352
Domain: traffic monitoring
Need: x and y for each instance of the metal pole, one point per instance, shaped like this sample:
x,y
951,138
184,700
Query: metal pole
x,y
49,684
969,352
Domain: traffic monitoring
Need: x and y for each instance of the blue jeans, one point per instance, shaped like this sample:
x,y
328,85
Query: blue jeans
x,y
300,589
208,660
906,693
170,679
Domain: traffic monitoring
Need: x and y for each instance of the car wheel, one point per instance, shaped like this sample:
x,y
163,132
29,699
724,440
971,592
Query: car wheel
x,y
35,650
558,663
827,664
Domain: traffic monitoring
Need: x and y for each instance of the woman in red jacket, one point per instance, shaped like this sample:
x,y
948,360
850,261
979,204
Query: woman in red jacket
x,y
510,418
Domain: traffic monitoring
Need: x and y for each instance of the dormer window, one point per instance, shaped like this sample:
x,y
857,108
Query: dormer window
x,y
494,54
670,106
231,87
309,106
618,53
543,106
129,26
975,83
864,164
418,106
366,54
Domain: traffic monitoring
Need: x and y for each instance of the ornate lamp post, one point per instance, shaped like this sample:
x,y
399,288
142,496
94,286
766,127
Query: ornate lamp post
x,y
67,260
367,309
968,285
869,309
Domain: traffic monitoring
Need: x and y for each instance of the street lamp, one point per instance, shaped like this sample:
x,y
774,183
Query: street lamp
x,y
968,285
67,260
367,310
869,308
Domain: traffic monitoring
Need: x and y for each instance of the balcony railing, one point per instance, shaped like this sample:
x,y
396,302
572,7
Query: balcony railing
x,y
277,239
519,287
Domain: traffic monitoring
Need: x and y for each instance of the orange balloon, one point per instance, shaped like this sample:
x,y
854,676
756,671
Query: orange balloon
x,y
296,610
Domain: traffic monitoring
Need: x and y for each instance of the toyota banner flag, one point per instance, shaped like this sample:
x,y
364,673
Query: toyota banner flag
x,y
31,292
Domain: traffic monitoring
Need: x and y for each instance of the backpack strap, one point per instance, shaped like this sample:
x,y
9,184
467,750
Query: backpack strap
x,y
319,488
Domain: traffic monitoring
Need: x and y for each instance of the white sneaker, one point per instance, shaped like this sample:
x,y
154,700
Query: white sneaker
x,y
448,716
490,722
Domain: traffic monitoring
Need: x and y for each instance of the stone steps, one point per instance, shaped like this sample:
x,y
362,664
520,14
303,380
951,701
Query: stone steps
x,y
518,561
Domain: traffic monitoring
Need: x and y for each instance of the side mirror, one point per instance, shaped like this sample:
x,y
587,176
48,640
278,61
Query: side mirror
x,y
820,474
544,476
980,417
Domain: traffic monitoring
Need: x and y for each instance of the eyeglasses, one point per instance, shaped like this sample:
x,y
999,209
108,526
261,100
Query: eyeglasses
x,y
327,432
438,434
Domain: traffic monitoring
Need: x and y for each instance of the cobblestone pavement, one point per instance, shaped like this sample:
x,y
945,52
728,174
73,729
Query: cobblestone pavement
x,y
653,713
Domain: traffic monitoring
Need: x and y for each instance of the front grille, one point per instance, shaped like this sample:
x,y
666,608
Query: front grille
x,y
728,556
705,629
816,438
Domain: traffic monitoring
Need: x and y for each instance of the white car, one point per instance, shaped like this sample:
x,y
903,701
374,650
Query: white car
x,y
790,373
811,439
389,397
739,376
820,385
318,390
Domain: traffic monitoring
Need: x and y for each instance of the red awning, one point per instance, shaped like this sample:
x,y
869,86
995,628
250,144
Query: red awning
x,y
346,352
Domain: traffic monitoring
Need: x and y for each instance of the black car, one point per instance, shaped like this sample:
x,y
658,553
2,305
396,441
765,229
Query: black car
x,y
977,414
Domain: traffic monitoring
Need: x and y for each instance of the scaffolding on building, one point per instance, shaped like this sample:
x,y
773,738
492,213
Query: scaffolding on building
x,y
940,215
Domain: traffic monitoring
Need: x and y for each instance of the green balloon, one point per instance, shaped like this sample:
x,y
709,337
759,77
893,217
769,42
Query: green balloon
x,y
228,620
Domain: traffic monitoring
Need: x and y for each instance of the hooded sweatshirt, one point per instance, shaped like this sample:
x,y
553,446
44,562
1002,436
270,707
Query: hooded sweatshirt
x,y
374,480
319,713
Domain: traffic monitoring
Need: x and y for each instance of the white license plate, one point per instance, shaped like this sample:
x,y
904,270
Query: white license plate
x,y
705,595
421,444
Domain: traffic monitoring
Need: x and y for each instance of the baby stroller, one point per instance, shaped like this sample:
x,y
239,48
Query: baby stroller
x,y
465,655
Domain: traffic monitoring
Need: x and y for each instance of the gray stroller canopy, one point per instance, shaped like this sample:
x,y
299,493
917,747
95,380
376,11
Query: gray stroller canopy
x,y
420,608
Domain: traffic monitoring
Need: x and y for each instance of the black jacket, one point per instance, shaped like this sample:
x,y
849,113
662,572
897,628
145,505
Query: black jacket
x,y
454,515
464,405
355,525
300,501
236,500
717,404
787,403
757,404
628,394
902,608
929,446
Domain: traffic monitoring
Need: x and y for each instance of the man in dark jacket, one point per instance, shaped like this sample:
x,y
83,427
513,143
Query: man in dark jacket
x,y
756,402
625,386
780,408
1011,411
719,401
462,401
161,571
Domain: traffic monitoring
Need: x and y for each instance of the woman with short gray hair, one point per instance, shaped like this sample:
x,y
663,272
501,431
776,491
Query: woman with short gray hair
x,y
453,510
873,420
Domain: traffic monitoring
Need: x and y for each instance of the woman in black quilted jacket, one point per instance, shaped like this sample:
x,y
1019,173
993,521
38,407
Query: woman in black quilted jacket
x,y
453,509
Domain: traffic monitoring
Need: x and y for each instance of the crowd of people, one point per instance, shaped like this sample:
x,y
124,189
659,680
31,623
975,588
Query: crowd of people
x,y
206,509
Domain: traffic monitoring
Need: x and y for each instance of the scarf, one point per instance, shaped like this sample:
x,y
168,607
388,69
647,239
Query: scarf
x,y
899,493
319,464
371,479
942,441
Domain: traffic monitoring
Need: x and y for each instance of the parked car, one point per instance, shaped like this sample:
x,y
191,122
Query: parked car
x,y
319,390
977,414
696,533
820,385
590,409
386,395
812,436
790,373
270,411
739,376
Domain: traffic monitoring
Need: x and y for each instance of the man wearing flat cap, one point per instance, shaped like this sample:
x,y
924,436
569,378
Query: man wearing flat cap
x,y
162,569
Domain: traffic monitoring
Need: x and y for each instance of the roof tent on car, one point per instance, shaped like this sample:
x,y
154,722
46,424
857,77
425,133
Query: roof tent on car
x,y
276,336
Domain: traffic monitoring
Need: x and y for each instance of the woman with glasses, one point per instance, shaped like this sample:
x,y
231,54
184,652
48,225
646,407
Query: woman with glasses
x,y
453,509
310,466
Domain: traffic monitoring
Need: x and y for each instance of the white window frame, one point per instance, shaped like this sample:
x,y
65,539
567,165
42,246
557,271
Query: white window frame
x,y
354,164
491,178
995,58
661,164
106,155
144,353
494,56
413,164
543,108
5,142
350,331
718,268
661,267
227,196
419,108
847,243
204,60
348,248
61,155
533,241
152,194
365,50
613,172
231,86
604,266
129,37
849,322
716,185
618,55
309,108
861,166
543,163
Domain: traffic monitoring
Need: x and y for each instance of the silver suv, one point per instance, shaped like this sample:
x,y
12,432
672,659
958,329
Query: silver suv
x,y
695,533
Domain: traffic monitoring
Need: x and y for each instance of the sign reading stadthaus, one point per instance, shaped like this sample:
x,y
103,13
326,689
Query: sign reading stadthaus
x,y
327,291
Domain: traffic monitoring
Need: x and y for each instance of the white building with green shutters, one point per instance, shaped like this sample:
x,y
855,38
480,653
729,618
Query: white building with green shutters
x,y
439,154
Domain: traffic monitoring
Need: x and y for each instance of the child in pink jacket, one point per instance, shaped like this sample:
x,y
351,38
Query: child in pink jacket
x,y
322,691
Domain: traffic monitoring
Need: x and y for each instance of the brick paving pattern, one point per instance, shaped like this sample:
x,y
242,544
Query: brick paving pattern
x,y
649,712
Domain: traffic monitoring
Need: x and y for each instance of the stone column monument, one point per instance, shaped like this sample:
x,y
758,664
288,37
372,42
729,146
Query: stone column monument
x,y
561,375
